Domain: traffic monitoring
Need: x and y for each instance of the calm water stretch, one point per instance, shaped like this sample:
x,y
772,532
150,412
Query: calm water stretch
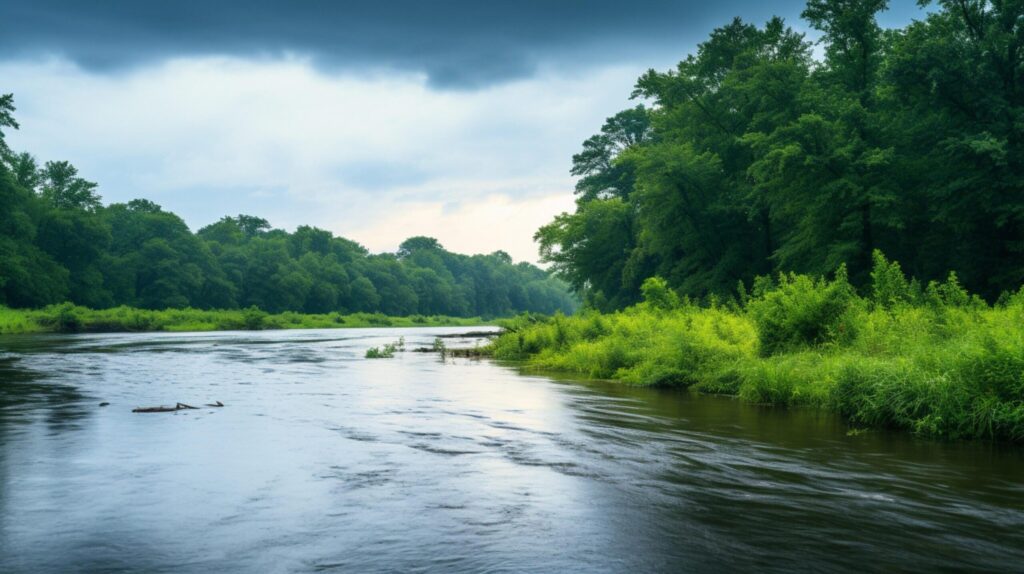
x,y
322,460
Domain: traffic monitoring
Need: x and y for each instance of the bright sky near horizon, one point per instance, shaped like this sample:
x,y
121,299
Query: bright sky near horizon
x,y
377,121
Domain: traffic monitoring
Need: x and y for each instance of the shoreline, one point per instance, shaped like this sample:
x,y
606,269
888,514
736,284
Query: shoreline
x,y
67,318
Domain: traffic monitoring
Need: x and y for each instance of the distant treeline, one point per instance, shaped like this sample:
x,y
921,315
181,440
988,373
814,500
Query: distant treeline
x,y
59,243
756,157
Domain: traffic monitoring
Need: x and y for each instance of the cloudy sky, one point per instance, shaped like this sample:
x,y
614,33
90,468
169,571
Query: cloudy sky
x,y
377,120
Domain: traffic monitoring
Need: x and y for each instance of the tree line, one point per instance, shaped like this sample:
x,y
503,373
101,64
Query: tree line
x,y
758,155
59,243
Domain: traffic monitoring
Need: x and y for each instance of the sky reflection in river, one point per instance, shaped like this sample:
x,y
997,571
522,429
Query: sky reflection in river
x,y
325,461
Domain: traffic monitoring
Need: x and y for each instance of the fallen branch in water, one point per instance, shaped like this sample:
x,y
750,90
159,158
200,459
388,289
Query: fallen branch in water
x,y
176,407
470,335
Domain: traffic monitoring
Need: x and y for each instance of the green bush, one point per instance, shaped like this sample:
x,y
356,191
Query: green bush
x,y
65,318
253,318
801,311
658,295
889,287
387,351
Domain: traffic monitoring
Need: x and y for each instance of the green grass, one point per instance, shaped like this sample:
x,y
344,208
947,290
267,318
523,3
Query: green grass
x,y
935,362
67,318
387,351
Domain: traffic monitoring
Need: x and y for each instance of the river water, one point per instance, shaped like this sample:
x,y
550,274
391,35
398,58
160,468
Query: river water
x,y
324,461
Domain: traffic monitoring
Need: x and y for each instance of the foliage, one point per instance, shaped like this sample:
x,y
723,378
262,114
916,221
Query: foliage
x,y
947,365
657,294
387,351
69,318
752,157
802,311
58,243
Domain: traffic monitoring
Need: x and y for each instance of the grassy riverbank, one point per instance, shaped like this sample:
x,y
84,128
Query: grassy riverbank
x,y
69,318
933,360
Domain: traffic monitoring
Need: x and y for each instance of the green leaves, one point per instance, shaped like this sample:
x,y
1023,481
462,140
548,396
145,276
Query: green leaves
x,y
61,187
760,159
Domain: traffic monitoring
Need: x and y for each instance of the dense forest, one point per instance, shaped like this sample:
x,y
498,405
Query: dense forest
x,y
763,153
59,243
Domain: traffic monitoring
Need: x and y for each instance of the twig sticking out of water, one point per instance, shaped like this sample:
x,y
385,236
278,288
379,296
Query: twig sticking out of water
x,y
176,407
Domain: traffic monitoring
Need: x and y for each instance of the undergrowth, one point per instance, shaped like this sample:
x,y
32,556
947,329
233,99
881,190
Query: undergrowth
x,y
68,318
931,359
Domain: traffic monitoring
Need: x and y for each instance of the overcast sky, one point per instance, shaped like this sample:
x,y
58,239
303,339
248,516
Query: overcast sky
x,y
377,120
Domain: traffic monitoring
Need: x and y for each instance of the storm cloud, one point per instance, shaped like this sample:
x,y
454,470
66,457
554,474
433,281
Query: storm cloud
x,y
456,43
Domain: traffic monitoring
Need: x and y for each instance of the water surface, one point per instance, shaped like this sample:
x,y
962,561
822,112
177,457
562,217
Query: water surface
x,y
324,461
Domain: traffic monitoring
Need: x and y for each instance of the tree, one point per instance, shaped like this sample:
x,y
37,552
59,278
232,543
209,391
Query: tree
x,y
418,243
58,243
61,187
6,121
600,175
758,159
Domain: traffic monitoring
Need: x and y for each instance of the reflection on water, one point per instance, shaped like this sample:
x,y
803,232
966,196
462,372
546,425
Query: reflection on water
x,y
325,461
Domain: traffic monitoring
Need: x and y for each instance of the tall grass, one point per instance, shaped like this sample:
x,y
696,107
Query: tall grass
x,y
933,360
68,318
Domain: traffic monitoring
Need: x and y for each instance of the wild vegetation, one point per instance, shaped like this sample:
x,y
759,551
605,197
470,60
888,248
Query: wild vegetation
x,y
755,156
759,164
68,318
934,360
387,351
59,243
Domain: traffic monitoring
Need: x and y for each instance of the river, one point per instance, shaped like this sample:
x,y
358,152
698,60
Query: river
x,y
323,461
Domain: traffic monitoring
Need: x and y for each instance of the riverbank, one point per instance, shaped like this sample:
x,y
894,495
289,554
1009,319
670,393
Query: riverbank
x,y
68,318
933,361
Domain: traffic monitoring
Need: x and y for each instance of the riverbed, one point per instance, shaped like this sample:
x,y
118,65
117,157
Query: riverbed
x,y
322,460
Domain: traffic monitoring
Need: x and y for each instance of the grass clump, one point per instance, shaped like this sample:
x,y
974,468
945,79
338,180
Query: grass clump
x,y
935,361
387,351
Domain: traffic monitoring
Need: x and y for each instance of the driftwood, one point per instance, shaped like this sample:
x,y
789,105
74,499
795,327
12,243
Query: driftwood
x,y
176,407
469,335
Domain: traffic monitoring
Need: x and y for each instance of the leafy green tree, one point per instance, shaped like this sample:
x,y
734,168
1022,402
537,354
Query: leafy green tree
x,y
416,244
78,240
757,158
601,176
6,121
61,187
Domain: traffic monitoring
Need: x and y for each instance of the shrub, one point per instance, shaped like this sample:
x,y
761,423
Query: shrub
x,y
387,351
66,318
378,353
658,295
889,287
253,318
802,311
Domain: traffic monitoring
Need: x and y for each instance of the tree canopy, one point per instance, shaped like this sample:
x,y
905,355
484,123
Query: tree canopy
x,y
753,157
58,242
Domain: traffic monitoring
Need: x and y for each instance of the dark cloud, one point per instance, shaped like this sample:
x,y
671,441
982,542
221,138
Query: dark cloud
x,y
460,43
457,43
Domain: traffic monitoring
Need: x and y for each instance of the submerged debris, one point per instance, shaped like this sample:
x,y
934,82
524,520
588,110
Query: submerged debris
x,y
471,335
